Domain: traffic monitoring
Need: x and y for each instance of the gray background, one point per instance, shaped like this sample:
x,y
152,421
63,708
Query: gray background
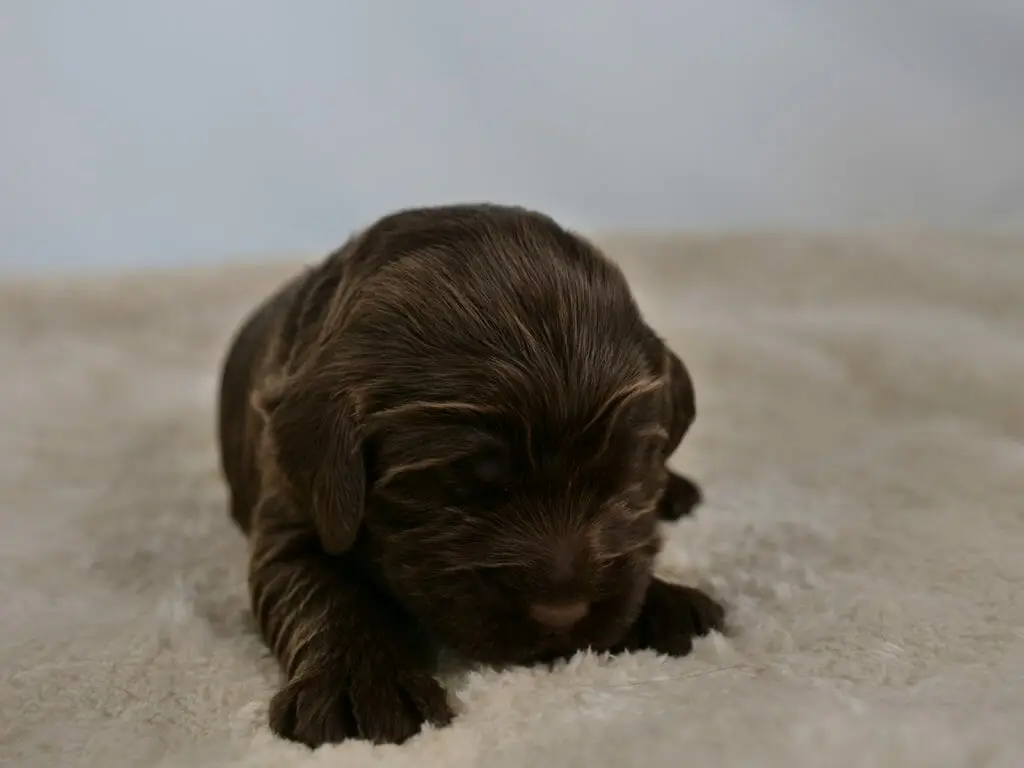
x,y
170,132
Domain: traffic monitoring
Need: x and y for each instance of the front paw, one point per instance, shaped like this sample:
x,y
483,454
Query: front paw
x,y
672,616
681,497
379,703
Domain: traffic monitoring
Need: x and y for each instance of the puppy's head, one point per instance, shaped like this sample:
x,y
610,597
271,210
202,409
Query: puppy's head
x,y
511,413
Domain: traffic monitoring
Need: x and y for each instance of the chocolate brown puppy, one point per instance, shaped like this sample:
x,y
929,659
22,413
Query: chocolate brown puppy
x,y
452,432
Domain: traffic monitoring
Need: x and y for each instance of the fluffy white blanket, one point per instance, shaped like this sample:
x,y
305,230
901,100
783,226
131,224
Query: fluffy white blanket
x,y
860,437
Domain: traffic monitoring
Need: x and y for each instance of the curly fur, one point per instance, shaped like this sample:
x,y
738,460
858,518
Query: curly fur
x,y
459,414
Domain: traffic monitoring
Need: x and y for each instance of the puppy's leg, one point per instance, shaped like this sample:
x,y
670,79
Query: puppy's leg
x,y
352,668
671,617
682,495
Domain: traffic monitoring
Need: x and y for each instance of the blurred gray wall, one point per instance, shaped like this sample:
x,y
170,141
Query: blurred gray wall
x,y
144,132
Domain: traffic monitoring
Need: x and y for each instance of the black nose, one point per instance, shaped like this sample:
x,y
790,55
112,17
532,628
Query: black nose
x,y
559,616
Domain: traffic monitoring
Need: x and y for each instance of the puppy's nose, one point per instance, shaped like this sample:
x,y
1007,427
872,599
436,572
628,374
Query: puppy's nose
x,y
559,616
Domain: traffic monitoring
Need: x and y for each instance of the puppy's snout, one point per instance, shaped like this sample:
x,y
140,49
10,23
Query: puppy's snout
x,y
561,605
559,616
566,560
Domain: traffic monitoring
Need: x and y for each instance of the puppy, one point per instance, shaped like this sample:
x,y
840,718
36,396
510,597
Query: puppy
x,y
452,432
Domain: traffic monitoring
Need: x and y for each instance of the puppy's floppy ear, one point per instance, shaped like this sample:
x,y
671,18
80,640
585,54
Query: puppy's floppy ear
x,y
683,401
315,430
680,405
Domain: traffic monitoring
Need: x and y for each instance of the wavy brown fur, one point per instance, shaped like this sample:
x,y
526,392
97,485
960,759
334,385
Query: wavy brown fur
x,y
458,414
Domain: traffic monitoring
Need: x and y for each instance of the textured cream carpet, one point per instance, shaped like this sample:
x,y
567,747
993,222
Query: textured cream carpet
x,y
860,437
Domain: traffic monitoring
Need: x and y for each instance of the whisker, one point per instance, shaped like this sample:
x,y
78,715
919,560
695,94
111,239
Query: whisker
x,y
609,557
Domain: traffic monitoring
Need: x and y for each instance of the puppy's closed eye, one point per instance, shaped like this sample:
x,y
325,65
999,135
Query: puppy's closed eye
x,y
480,475
491,468
469,465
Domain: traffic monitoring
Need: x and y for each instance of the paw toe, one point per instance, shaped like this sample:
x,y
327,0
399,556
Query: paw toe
x,y
303,712
682,497
282,713
430,699
708,615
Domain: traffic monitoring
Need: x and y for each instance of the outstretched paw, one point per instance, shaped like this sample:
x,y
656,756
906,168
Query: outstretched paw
x,y
382,705
672,617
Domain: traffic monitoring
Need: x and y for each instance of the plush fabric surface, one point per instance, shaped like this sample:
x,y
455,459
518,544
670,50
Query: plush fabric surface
x,y
860,438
